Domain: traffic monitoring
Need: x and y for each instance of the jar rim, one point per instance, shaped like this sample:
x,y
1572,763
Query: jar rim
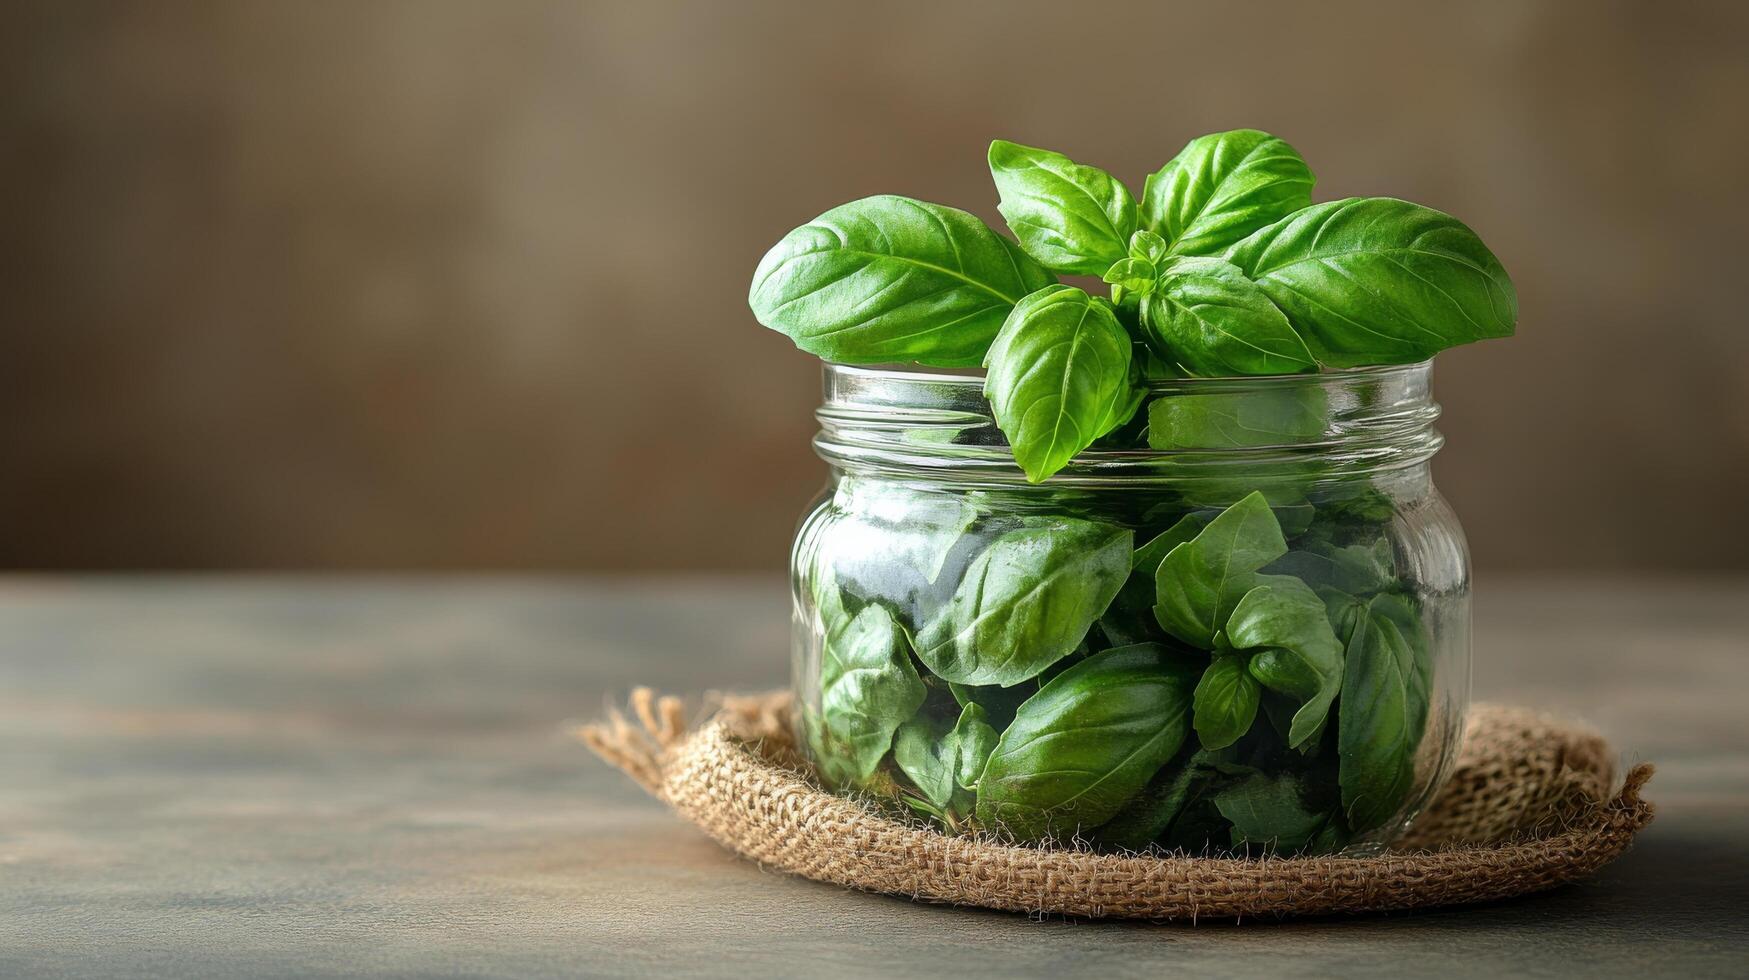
x,y
1353,420
968,377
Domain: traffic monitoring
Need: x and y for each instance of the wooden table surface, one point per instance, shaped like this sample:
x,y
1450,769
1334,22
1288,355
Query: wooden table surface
x,y
325,777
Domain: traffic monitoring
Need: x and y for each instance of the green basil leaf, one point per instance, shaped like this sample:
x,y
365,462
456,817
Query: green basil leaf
x,y
1343,611
1238,420
1058,372
945,762
1071,217
1376,739
889,279
1222,187
1148,557
1359,570
1226,701
1296,652
1130,618
1026,602
1374,280
975,738
1153,366
1200,581
1365,505
1135,275
893,539
1123,408
1087,743
1329,839
868,686
1417,659
1268,811
1000,703
1150,248
1206,315
1148,816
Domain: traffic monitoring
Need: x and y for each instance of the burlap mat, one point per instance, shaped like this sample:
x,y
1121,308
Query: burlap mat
x,y
1528,808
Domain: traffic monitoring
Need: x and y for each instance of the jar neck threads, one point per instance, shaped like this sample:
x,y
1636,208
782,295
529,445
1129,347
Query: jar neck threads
x,y
1328,427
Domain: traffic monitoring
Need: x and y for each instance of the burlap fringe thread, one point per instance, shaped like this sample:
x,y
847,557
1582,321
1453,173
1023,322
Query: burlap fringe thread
x,y
1527,809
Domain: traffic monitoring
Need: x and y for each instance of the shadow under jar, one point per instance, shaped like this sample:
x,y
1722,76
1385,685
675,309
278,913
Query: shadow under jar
x,y
1238,623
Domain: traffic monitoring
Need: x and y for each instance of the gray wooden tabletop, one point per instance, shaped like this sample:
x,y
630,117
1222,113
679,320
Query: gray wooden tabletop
x,y
334,777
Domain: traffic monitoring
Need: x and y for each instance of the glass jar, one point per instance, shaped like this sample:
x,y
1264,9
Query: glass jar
x,y
1238,623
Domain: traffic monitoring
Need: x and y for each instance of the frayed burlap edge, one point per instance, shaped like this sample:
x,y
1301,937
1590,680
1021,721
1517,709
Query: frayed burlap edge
x,y
1527,809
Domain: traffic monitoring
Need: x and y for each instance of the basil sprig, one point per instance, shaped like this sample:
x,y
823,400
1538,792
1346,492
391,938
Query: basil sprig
x,y
1225,267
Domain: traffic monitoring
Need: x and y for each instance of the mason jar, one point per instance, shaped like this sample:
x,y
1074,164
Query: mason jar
x,y
1237,624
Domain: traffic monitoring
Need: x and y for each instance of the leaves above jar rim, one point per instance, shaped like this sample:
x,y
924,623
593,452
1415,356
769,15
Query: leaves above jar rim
x,y
1206,315
888,279
1375,280
1222,187
1071,217
1059,377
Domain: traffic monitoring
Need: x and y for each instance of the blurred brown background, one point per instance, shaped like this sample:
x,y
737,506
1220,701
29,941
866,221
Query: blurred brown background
x,y
463,285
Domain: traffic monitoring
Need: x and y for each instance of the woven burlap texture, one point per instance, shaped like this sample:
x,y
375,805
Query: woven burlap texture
x,y
1527,809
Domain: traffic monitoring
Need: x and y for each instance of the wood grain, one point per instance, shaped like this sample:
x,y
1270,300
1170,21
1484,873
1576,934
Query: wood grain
x,y
321,777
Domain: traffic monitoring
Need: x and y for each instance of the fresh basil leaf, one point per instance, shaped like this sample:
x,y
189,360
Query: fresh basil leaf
x,y
1123,407
889,279
922,752
1296,652
1147,817
1087,743
975,739
1329,839
1000,703
1238,420
1135,275
1364,506
942,761
1201,581
892,540
1374,280
1148,557
1206,315
1376,734
1058,372
1416,657
831,762
1153,366
868,686
1130,617
997,703
1150,248
1359,570
1226,701
1026,602
1268,811
1343,611
1222,187
1071,217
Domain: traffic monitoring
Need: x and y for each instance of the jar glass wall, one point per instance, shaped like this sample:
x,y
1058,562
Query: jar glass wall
x,y
1239,623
